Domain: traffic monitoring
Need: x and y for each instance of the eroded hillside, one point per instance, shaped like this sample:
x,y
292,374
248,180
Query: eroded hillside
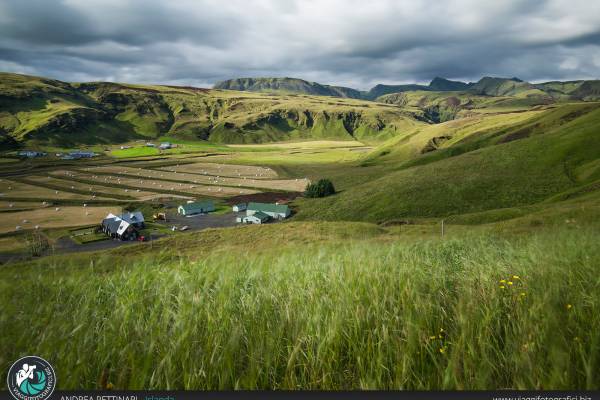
x,y
37,110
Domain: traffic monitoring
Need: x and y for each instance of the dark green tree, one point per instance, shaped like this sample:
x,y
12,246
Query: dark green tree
x,y
322,188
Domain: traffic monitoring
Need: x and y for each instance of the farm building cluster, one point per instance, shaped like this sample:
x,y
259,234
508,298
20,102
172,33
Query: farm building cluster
x,y
256,213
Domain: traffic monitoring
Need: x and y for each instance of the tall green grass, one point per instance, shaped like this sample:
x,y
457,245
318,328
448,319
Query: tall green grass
x,y
337,315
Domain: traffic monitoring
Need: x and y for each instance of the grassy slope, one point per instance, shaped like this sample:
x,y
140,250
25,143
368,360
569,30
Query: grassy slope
x,y
552,152
385,311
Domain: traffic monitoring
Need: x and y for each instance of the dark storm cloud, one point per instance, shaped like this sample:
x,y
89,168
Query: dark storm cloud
x,y
352,43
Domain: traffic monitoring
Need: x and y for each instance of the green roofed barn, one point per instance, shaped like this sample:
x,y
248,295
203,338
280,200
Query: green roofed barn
x,y
275,211
256,218
196,207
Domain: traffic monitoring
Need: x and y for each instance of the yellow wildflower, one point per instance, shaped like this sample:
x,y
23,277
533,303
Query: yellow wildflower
x,y
569,306
510,283
432,337
516,277
443,349
502,280
502,287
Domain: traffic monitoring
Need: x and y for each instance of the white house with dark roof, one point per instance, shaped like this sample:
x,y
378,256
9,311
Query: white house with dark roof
x,y
124,226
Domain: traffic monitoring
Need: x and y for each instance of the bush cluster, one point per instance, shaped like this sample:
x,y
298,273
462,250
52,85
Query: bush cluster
x,y
322,188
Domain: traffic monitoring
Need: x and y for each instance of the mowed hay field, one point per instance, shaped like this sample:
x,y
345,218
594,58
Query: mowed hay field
x,y
21,205
229,170
95,192
313,144
21,191
50,217
108,187
145,182
203,177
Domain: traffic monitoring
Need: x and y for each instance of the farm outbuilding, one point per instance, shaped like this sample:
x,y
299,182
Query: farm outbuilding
x,y
275,211
82,154
31,154
196,207
239,207
256,218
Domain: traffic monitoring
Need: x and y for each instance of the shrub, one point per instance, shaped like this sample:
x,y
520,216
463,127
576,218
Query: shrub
x,y
322,188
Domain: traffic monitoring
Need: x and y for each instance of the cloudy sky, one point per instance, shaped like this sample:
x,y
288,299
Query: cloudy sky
x,y
350,43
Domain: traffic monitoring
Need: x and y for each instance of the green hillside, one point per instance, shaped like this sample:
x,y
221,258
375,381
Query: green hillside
x,y
37,111
489,162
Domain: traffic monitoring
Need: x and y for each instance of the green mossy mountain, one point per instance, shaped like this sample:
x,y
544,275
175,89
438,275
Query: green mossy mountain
x,y
442,84
39,111
287,85
487,86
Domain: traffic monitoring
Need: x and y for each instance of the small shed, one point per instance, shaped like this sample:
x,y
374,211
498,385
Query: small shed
x,y
239,207
196,207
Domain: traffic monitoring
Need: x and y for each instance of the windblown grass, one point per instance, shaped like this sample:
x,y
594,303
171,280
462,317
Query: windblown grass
x,y
470,313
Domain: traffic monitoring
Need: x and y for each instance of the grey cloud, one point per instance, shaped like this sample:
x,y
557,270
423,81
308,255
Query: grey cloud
x,y
351,43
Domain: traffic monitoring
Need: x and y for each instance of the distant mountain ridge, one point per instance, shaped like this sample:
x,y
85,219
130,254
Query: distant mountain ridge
x,y
301,86
291,85
487,86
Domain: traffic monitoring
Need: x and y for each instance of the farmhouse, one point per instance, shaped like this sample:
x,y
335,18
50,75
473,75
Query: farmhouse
x,y
165,145
124,226
239,207
196,207
275,211
117,228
